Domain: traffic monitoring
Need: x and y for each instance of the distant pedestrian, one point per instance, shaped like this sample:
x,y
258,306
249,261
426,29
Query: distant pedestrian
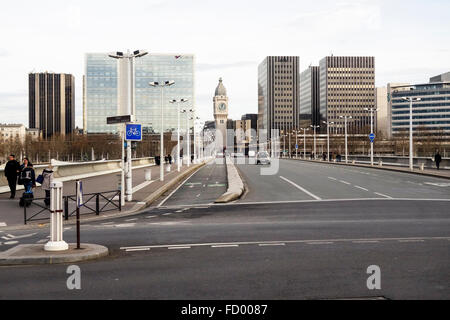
x,y
437,159
324,156
47,175
12,169
192,158
27,176
170,158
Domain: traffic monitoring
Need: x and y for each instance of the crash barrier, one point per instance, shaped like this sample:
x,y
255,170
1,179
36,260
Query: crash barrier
x,y
67,169
419,162
93,203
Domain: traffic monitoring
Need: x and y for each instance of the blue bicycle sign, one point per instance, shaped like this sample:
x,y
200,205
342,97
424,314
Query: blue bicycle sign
x,y
133,132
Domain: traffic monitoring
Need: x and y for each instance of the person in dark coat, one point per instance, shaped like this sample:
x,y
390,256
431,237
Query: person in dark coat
x,y
438,159
27,176
12,170
170,158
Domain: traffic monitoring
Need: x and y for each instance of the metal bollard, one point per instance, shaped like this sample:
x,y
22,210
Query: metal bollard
x,y
97,204
56,242
380,163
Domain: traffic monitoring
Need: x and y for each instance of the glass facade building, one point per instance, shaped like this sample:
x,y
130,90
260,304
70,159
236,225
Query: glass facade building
x,y
310,98
431,115
101,91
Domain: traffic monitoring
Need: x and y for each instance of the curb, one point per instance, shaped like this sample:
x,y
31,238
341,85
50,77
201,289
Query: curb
x,y
18,254
375,167
133,211
235,185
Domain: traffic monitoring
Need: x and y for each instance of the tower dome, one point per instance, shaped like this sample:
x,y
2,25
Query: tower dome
x,y
220,90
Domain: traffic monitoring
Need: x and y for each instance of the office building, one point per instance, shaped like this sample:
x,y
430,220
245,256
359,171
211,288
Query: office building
x,y
101,94
51,106
278,94
431,115
310,98
381,101
347,88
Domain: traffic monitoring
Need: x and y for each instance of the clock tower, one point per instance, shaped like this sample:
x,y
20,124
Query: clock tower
x,y
221,112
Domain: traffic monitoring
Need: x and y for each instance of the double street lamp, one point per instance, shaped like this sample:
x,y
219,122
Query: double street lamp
x,y
126,83
314,127
411,147
372,111
346,145
178,102
328,138
162,85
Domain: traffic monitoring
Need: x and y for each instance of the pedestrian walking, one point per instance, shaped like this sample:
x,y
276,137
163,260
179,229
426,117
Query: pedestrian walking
x,y
12,169
47,179
28,179
437,159
170,158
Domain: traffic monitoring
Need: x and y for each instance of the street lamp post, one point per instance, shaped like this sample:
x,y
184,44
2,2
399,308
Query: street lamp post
x,y
328,138
346,147
411,146
372,110
162,85
178,102
127,78
304,141
188,145
315,127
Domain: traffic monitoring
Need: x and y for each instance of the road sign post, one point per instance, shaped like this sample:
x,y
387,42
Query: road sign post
x,y
79,197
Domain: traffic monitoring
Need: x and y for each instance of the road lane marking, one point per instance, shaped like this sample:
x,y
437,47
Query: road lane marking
x,y
141,186
319,241
226,246
383,195
345,182
105,223
125,225
168,213
178,248
301,188
42,241
438,184
10,236
3,224
133,219
413,240
150,217
332,178
176,189
270,244
10,242
366,241
361,188
140,249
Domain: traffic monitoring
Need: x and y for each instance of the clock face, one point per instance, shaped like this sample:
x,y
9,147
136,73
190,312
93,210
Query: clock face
x,y
222,107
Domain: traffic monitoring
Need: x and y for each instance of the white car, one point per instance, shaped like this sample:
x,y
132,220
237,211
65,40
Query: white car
x,y
262,158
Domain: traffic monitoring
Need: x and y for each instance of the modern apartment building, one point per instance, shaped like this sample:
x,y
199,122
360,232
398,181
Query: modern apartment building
x,y
51,106
347,88
310,98
101,94
431,115
278,93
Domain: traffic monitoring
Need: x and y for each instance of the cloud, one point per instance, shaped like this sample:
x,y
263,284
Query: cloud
x,y
3,52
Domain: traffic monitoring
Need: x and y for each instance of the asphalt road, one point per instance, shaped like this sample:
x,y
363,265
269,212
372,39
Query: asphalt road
x,y
264,247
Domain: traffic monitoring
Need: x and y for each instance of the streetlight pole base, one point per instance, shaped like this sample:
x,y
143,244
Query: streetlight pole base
x,y
56,246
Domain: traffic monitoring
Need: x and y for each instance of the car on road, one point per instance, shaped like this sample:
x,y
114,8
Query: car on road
x,y
262,158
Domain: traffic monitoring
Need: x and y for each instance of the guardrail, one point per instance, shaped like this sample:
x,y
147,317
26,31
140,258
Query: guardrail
x,y
427,162
89,201
68,169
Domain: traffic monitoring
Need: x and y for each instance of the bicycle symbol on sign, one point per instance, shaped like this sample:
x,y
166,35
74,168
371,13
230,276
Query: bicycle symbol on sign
x,y
132,132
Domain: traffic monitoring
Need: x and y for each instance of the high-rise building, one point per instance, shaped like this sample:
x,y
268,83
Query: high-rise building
x,y
310,97
278,94
251,126
102,96
51,103
347,88
431,115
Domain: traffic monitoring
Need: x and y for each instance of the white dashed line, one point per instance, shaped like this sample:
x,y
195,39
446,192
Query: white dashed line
x,y
150,217
415,240
125,225
226,246
42,241
361,188
383,195
332,178
134,219
11,242
168,213
105,223
177,248
271,244
139,249
323,242
367,241
345,182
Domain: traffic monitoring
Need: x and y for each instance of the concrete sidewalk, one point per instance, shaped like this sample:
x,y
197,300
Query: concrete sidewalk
x,y
445,174
144,193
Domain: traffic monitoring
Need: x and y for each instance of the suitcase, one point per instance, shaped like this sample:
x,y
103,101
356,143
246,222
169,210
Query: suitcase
x,y
26,199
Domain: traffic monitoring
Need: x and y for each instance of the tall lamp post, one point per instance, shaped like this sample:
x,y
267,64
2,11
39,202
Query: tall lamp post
x,y
372,111
304,141
162,85
188,133
315,127
411,147
126,80
178,102
346,146
328,138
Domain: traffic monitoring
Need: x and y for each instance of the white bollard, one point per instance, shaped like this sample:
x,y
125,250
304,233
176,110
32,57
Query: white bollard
x,y
56,242
422,166
148,174
168,168
380,163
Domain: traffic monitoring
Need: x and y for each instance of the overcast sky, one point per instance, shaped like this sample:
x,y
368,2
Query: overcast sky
x,y
409,39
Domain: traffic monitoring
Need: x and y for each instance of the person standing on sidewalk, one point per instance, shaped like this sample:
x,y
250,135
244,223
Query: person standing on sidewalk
x,y
437,159
47,175
12,170
27,176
